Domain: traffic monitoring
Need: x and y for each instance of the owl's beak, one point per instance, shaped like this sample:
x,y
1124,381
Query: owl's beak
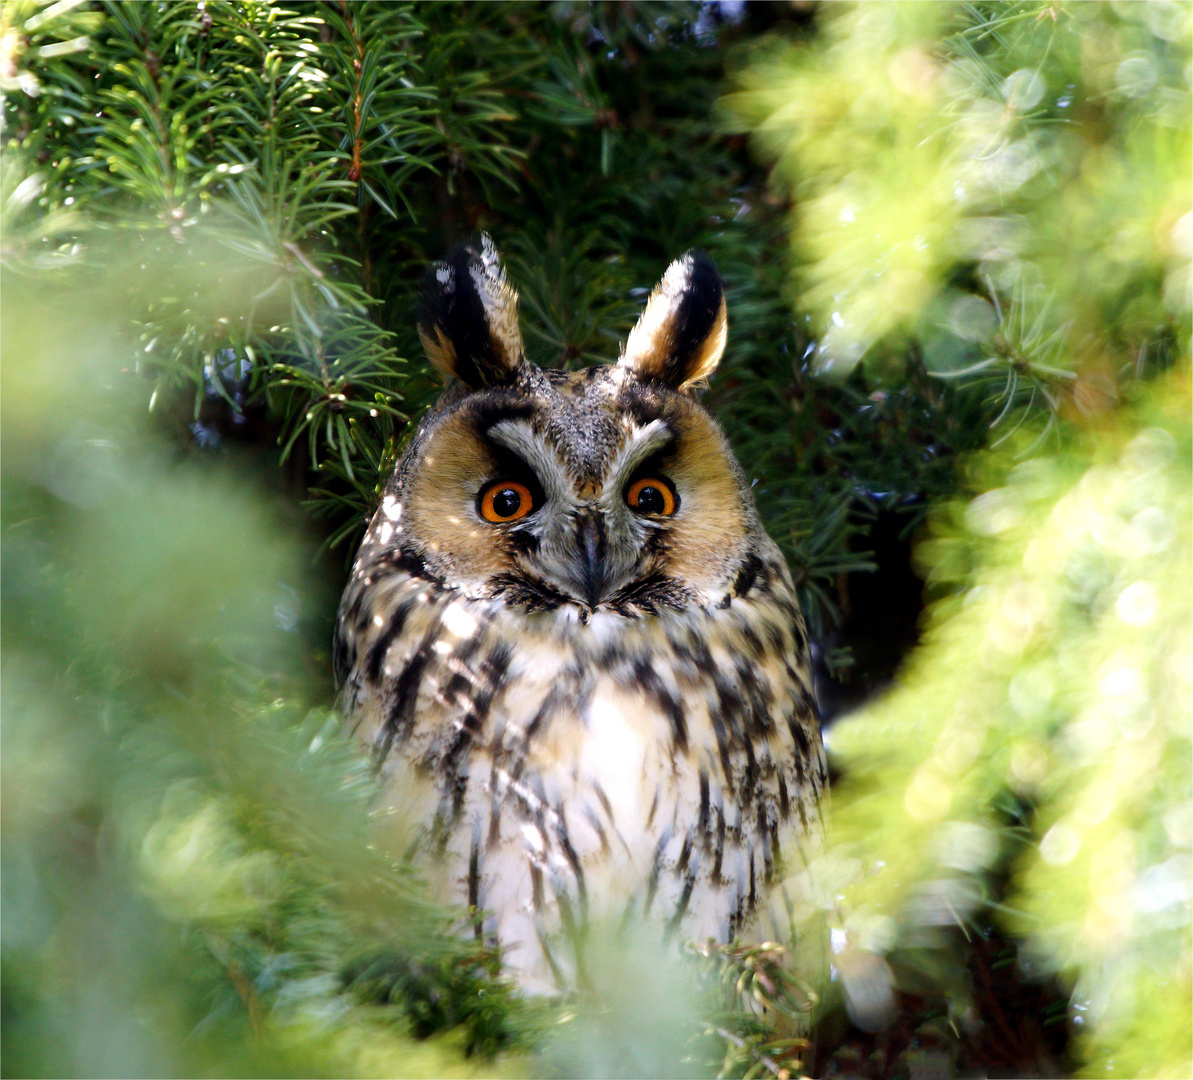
x,y
591,545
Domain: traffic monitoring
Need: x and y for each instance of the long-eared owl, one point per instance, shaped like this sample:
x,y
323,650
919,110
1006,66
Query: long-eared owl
x,y
572,649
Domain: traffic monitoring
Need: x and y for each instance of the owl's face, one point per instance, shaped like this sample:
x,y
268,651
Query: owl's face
x,y
605,489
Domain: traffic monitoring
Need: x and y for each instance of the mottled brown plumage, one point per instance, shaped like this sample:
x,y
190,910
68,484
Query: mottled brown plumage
x,y
603,703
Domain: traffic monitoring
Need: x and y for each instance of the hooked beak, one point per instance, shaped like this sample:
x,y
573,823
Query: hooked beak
x,y
591,547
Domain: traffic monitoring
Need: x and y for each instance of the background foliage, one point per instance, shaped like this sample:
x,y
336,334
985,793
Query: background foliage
x,y
975,239
1003,190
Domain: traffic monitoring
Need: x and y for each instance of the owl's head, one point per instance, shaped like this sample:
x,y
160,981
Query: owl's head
x,y
607,488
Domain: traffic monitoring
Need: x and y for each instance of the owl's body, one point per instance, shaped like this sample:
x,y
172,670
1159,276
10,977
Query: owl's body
x,y
572,649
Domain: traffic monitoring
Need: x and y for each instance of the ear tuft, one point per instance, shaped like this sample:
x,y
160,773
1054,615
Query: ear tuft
x,y
679,338
469,316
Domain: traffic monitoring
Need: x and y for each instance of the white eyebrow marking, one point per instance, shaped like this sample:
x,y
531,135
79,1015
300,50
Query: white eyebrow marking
x,y
520,438
642,443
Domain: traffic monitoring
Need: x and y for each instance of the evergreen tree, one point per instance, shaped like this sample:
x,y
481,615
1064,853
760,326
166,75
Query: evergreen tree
x,y
1003,191
215,215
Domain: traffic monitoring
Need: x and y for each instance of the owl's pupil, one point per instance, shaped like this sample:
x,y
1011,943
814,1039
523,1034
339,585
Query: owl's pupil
x,y
651,500
506,502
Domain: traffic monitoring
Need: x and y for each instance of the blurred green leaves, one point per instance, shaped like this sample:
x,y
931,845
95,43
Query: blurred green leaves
x,y
1001,190
1055,669
1041,151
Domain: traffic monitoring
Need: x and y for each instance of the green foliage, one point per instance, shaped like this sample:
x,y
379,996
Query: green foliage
x,y
1002,190
760,1041
1051,694
1006,184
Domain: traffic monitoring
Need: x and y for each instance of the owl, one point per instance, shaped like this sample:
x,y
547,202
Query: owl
x,y
568,644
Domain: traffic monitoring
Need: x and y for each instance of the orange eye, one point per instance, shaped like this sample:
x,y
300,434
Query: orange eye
x,y
506,500
650,495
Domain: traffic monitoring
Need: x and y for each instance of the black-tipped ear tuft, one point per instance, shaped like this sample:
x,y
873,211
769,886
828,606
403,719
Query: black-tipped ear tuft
x,y
468,321
679,338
